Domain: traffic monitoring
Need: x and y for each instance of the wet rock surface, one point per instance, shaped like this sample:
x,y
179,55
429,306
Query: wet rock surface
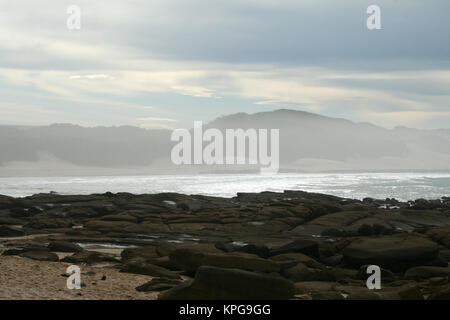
x,y
312,246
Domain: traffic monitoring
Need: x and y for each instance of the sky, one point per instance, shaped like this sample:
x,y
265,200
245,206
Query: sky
x,y
167,63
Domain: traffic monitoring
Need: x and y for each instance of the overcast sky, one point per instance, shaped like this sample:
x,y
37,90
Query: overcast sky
x,y
166,63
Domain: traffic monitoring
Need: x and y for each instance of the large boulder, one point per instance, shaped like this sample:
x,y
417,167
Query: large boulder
x,y
6,231
64,246
330,221
295,258
440,235
443,293
7,202
258,249
89,257
311,287
48,223
165,248
190,260
393,253
305,246
109,226
142,267
120,217
426,272
299,273
158,284
40,255
146,253
212,283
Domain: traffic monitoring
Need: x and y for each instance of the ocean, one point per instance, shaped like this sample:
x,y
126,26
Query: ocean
x,y
402,186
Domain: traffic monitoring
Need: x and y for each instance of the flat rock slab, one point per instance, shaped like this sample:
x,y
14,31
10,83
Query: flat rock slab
x,y
64,246
190,260
305,246
392,253
40,255
426,272
212,283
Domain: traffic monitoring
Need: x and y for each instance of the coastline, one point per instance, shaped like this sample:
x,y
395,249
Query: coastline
x,y
313,245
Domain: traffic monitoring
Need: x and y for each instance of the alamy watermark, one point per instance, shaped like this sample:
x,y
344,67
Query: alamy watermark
x,y
231,149
74,279
374,281
374,20
74,20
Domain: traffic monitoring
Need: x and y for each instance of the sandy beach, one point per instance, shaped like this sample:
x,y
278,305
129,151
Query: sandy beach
x,y
23,278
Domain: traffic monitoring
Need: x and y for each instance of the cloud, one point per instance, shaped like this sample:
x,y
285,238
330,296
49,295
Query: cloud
x,y
409,118
156,119
129,56
92,76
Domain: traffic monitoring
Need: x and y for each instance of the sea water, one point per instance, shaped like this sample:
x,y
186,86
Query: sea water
x,y
402,186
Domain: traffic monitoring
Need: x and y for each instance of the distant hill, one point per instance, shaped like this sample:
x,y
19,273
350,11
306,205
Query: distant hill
x,y
308,142
100,146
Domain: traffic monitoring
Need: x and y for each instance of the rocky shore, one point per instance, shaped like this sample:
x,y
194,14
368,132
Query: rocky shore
x,y
290,245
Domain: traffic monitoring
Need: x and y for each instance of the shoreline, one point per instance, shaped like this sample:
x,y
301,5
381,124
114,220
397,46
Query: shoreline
x,y
402,186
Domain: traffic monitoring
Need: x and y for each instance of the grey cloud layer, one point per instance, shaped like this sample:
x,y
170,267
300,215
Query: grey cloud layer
x,y
316,55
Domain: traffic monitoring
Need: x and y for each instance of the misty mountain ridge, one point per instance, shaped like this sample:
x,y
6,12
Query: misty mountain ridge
x,y
308,142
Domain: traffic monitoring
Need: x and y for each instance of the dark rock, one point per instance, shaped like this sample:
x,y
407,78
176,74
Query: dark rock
x,y
40,255
139,267
425,272
328,295
444,255
225,246
410,292
64,246
190,260
12,252
328,224
10,221
89,257
158,284
260,250
34,246
298,273
163,262
440,235
327,249
21,213
333,260
6,231
442,293
109,226
147,253
308,247
48,223
120,217
313,287
212,283
164,249
297,258
436,281
361,293
392,253
365,230
333,232
7,202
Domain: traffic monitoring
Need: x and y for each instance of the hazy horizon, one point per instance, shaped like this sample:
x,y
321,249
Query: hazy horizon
x,y
332,145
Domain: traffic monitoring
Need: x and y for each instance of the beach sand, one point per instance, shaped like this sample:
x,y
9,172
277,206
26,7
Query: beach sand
x,y
23,278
